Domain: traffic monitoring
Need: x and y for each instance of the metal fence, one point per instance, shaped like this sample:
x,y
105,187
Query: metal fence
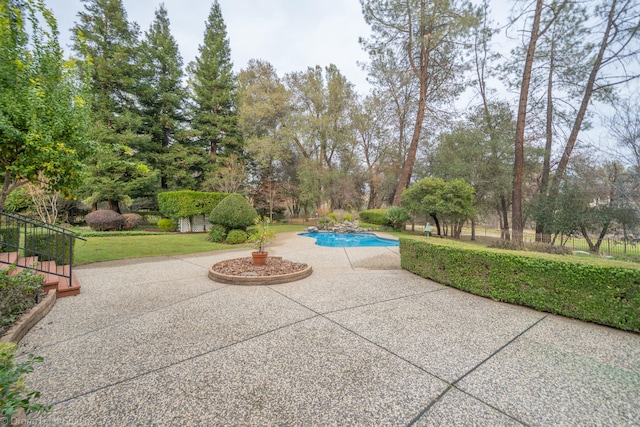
x,y
28,238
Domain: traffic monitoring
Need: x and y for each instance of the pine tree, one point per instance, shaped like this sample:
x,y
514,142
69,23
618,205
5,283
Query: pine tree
x,y
214,90
161,94
107,43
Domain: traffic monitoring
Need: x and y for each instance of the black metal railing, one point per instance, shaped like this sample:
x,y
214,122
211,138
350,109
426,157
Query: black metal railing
x,y
29,238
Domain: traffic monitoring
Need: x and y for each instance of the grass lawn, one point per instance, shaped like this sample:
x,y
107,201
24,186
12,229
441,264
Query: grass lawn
x,y
122,246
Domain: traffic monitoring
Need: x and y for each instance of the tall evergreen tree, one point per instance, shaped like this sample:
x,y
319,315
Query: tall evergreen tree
x,y
214,90
107,43
161,94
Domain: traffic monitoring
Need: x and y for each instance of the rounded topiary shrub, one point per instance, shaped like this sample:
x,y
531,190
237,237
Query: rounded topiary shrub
x,y
233,212
236,237
166,224
131,221
104,220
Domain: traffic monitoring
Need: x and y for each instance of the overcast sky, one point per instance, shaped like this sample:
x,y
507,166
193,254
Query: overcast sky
x,y
291,34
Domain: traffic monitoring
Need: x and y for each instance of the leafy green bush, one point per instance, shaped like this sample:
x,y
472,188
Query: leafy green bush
x,y
396,217
609,295
104,220
18,293
166,225
50,247
374,216
188,203
217,233
10,239
18,200
332,215
236,237
348,217
234,212
13,392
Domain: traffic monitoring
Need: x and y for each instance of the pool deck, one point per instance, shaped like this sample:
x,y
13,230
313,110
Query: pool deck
x,y
360,342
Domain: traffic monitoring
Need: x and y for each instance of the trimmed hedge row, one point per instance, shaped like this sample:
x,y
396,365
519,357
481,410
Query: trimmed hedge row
x,y
374,216
188,203
600,294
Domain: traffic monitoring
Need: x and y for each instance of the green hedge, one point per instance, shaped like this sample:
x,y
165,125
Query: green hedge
x,y
188,203
55,244
608,295
10,239
374,216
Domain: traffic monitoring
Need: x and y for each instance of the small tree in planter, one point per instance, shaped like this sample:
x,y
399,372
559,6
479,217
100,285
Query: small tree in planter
x,y
260,236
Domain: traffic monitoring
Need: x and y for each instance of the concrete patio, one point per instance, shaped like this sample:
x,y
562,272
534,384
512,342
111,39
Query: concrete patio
x,y
359,342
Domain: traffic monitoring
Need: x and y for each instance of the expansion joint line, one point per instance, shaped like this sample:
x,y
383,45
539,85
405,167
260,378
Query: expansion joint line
x,y
455,383
348,259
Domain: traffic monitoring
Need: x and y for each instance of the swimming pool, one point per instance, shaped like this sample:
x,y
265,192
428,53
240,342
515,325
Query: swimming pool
x,y
349,240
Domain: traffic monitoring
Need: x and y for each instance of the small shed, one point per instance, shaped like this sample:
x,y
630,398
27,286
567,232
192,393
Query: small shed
x,y
194,224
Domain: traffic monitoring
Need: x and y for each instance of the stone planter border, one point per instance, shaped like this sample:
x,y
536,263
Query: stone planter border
x,y
29,320
259,280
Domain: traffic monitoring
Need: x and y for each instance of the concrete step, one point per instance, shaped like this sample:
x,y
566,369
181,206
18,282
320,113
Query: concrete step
x,y
9,257
64,290
51,281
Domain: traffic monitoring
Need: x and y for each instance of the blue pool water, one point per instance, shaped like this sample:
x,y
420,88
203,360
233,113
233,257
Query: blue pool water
x,y
342,240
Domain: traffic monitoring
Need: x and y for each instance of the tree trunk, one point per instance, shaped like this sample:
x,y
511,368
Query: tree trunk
x,y
372,196
437,223
586,98
594,247
114,205
505,218
422,72
473,230
518,164
407,167
214,151
542,232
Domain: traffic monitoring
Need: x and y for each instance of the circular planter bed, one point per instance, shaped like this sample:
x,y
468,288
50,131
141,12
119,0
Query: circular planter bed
x,y
242,271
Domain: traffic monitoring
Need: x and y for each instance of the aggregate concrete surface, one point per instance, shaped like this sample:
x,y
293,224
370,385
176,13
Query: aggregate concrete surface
x,y
359,342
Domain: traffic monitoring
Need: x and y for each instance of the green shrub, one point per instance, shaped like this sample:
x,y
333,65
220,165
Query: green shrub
x,y
332,216
188,203
166,224
348,217
13,393
10,239
236,237
234,212
397,217
50,247
609,295
217,233
18,293
104,220
19,200
131,221
374,216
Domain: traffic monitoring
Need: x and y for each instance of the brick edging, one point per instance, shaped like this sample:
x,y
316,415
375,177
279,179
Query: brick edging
x,y
29,320
259,280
